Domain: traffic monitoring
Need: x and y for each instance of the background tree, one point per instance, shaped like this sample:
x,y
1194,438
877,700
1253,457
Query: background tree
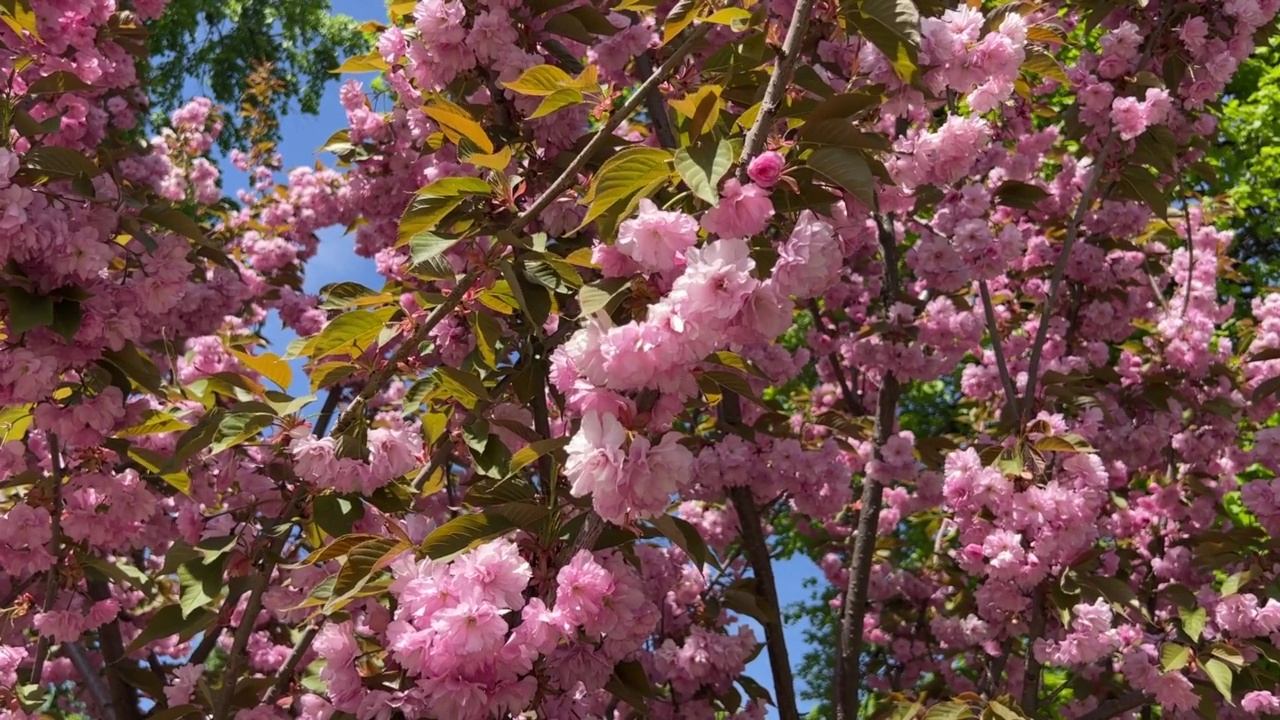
x,y
217,44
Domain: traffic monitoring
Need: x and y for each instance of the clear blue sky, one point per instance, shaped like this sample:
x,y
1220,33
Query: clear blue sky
x,y
336,261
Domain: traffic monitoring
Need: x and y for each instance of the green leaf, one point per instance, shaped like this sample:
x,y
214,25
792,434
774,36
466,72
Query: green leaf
x,y
59,161
336,549
556,101
893,26
531,452
680,17
1221,675
464,532
687,538
848,169
171,620
842,133
703,165
844,106
172,219
137,366
1004,712
457,124
57,83
623,176
462,386
348,334
237,428
27,311
1228,655
338,296
949,710
540,81
488,334
427,245
1174,657
1063,443
1020,195
630,683
201,583
1045,65
363,562
601,295
336,514
498,491
268,365
195,439
1138,184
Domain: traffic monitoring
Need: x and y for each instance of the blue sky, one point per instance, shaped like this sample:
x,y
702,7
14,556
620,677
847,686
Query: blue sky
x,y
336,261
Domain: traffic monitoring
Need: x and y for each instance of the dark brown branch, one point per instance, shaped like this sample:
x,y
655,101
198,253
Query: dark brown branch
x,y
655,104
90,677
124,699
1031,669
285,675
864,539
253,607
776,90
997,346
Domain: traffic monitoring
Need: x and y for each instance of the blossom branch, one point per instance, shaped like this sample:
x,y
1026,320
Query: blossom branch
x,y
1073,228
655,105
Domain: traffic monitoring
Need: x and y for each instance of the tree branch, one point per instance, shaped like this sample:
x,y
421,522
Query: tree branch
x,y
777,87
757,552
253,607
89,675
997,346
655,104
854,610
1031,670
1073,229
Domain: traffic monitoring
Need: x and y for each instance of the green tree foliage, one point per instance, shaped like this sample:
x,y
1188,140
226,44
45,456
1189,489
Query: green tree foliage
x,y
1247,159
216,44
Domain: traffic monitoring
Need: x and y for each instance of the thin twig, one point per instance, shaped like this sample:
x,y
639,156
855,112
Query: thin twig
x,y
1121,705
285,675
997,346
852,401
210,639
776,90
55,552
1059,271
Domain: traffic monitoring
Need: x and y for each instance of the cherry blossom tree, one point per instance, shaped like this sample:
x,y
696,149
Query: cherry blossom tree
x,y
662,281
